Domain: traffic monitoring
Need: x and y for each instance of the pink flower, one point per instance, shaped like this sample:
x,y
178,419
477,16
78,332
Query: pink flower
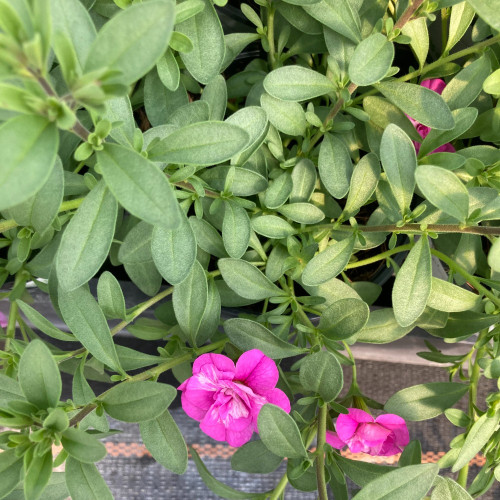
x,y
438,86
3,320
385,436
226,399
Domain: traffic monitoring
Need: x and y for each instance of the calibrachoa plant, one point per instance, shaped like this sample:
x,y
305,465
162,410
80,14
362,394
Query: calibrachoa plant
x,y
280,171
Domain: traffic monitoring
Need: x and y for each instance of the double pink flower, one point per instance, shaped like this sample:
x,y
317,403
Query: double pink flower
x,y
384,436
437,85
226,398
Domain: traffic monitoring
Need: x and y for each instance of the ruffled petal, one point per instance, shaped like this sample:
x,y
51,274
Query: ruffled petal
x,y
372,434
279,398
256,370
397,426
435,84
224,366
347,424
445,148
191,409
212,427
334,441
239,438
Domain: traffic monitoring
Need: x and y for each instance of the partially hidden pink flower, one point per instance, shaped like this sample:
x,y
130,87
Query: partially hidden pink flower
x,y
437,85
3,320
226,399
384,436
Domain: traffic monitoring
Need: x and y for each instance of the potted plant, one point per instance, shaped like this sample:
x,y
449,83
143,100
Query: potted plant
x,y
136,146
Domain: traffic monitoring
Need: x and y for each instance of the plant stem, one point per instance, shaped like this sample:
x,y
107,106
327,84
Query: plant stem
x,y
469,277
320,451
11,325
270,35
279,488
408,13
381,256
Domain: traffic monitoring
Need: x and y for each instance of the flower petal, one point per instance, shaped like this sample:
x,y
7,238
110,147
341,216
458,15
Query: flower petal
x,y
211,426
372,434
279,398
256,370
435,84
3,320
347,424
334,441
398,427
191,409
239,438
222,363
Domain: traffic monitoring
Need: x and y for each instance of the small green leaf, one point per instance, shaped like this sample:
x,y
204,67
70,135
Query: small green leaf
x,y
425,401
371,60
321,373
477,437
164,441
328,263
412,286
138,185
411,483
303,181
278,191
335,166
39,376
280,433
287,116
253,457
235,229
207,237
492,84
416,29
382,328
451,298
447,489
412,454
461,17
272,226
247,334
138,401
303,213
444,190
82,446
488,11
9,390
361,472
110,296
296,83
87,239
494,256
10,471
246,280
422,104
457,417
133,40
148,329
37,476
215,94
203,143
344,318
85,482
245,182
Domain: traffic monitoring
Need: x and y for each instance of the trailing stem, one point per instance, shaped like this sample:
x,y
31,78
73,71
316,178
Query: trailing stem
x,y
320,452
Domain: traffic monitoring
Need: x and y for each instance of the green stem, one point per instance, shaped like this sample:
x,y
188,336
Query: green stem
x,y
445,14
320,451
354,384
270,35
381,256
469,277
11,325
280,488
463,474
408,13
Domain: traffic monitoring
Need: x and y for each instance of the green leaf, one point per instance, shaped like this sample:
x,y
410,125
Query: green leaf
x,y
447,489
203,143
138,401
444,190
461,17
219,488
136,247
303,181
29,145
457,417
139,185
296,83
211,316
448,297
37,476
477,437
43,324
416,29
110,296
412,286
467,85
382,328
361,472
364,181
215,94
246,280
494,256
422,104
82,446
287,116
397,153
335,166
492,84
411,483
205,31
207,237
464,118
168,71
133,360
174,250
254,458
462,324
278,191
245,182
133,40
55,489
339,15
10,471
86,320
190,300
272,226
303,213
254,121
119,109
412,454
247,334
164,441
425,401
39,376
280,433
85,482
9,390
87,239
488,11
344,318
328,263
371,60
235,229
321,373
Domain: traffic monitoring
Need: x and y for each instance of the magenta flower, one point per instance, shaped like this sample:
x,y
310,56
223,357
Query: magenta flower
x,y
226,399
438,86
3,320
384,436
